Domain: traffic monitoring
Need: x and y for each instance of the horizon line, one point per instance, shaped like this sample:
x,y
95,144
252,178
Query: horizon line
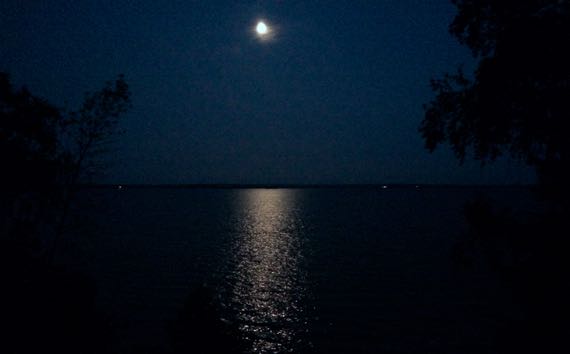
x,y
297,185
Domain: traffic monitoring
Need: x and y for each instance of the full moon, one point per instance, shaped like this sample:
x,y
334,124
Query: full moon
x,y
261,28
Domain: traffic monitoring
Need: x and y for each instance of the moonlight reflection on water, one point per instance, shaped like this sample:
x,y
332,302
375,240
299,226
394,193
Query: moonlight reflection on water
x,y
267,279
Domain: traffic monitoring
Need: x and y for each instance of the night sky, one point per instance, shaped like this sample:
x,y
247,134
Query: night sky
x,y
335,96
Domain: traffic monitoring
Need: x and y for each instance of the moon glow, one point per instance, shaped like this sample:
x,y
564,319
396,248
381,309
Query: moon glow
x,y
261,28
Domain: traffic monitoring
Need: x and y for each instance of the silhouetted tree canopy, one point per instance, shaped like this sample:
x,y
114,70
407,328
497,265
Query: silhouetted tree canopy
x,y
41,144
28,138
45,150
516,101
88,130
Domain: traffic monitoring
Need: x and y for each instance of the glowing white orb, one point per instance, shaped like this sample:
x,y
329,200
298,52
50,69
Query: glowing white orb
x,y
261,28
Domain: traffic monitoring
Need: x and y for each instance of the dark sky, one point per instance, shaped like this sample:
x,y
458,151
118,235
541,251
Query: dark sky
x,y
334,97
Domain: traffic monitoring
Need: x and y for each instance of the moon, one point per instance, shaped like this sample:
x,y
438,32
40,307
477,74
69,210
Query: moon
x,y
262,28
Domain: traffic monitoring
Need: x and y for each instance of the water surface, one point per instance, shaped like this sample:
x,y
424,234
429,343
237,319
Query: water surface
x,y
297,270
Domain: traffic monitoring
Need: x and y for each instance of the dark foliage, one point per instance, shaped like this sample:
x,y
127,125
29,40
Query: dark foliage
x,y
44,151
516,101
91,127
47,308
28,140
530,255
200,328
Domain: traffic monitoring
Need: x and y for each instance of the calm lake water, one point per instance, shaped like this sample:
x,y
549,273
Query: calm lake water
x,y
297,270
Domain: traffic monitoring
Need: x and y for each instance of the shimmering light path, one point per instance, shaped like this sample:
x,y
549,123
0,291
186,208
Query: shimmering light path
x,y
267,280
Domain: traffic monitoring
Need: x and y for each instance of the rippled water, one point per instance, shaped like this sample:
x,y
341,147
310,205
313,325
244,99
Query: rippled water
x,y
265,273
297,270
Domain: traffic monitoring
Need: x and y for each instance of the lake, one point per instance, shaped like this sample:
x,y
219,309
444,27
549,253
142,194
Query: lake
x,y
330,270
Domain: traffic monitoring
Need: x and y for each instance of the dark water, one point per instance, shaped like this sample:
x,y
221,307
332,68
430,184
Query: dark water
x,y
297,270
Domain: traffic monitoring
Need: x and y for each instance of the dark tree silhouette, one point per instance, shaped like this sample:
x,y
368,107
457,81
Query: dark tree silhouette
x,y
516,102
44,153
29,148
46,150
199,327
85,133
91,127
28,140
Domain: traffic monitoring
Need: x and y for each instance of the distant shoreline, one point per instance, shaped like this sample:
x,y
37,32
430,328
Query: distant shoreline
x,y
304,186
